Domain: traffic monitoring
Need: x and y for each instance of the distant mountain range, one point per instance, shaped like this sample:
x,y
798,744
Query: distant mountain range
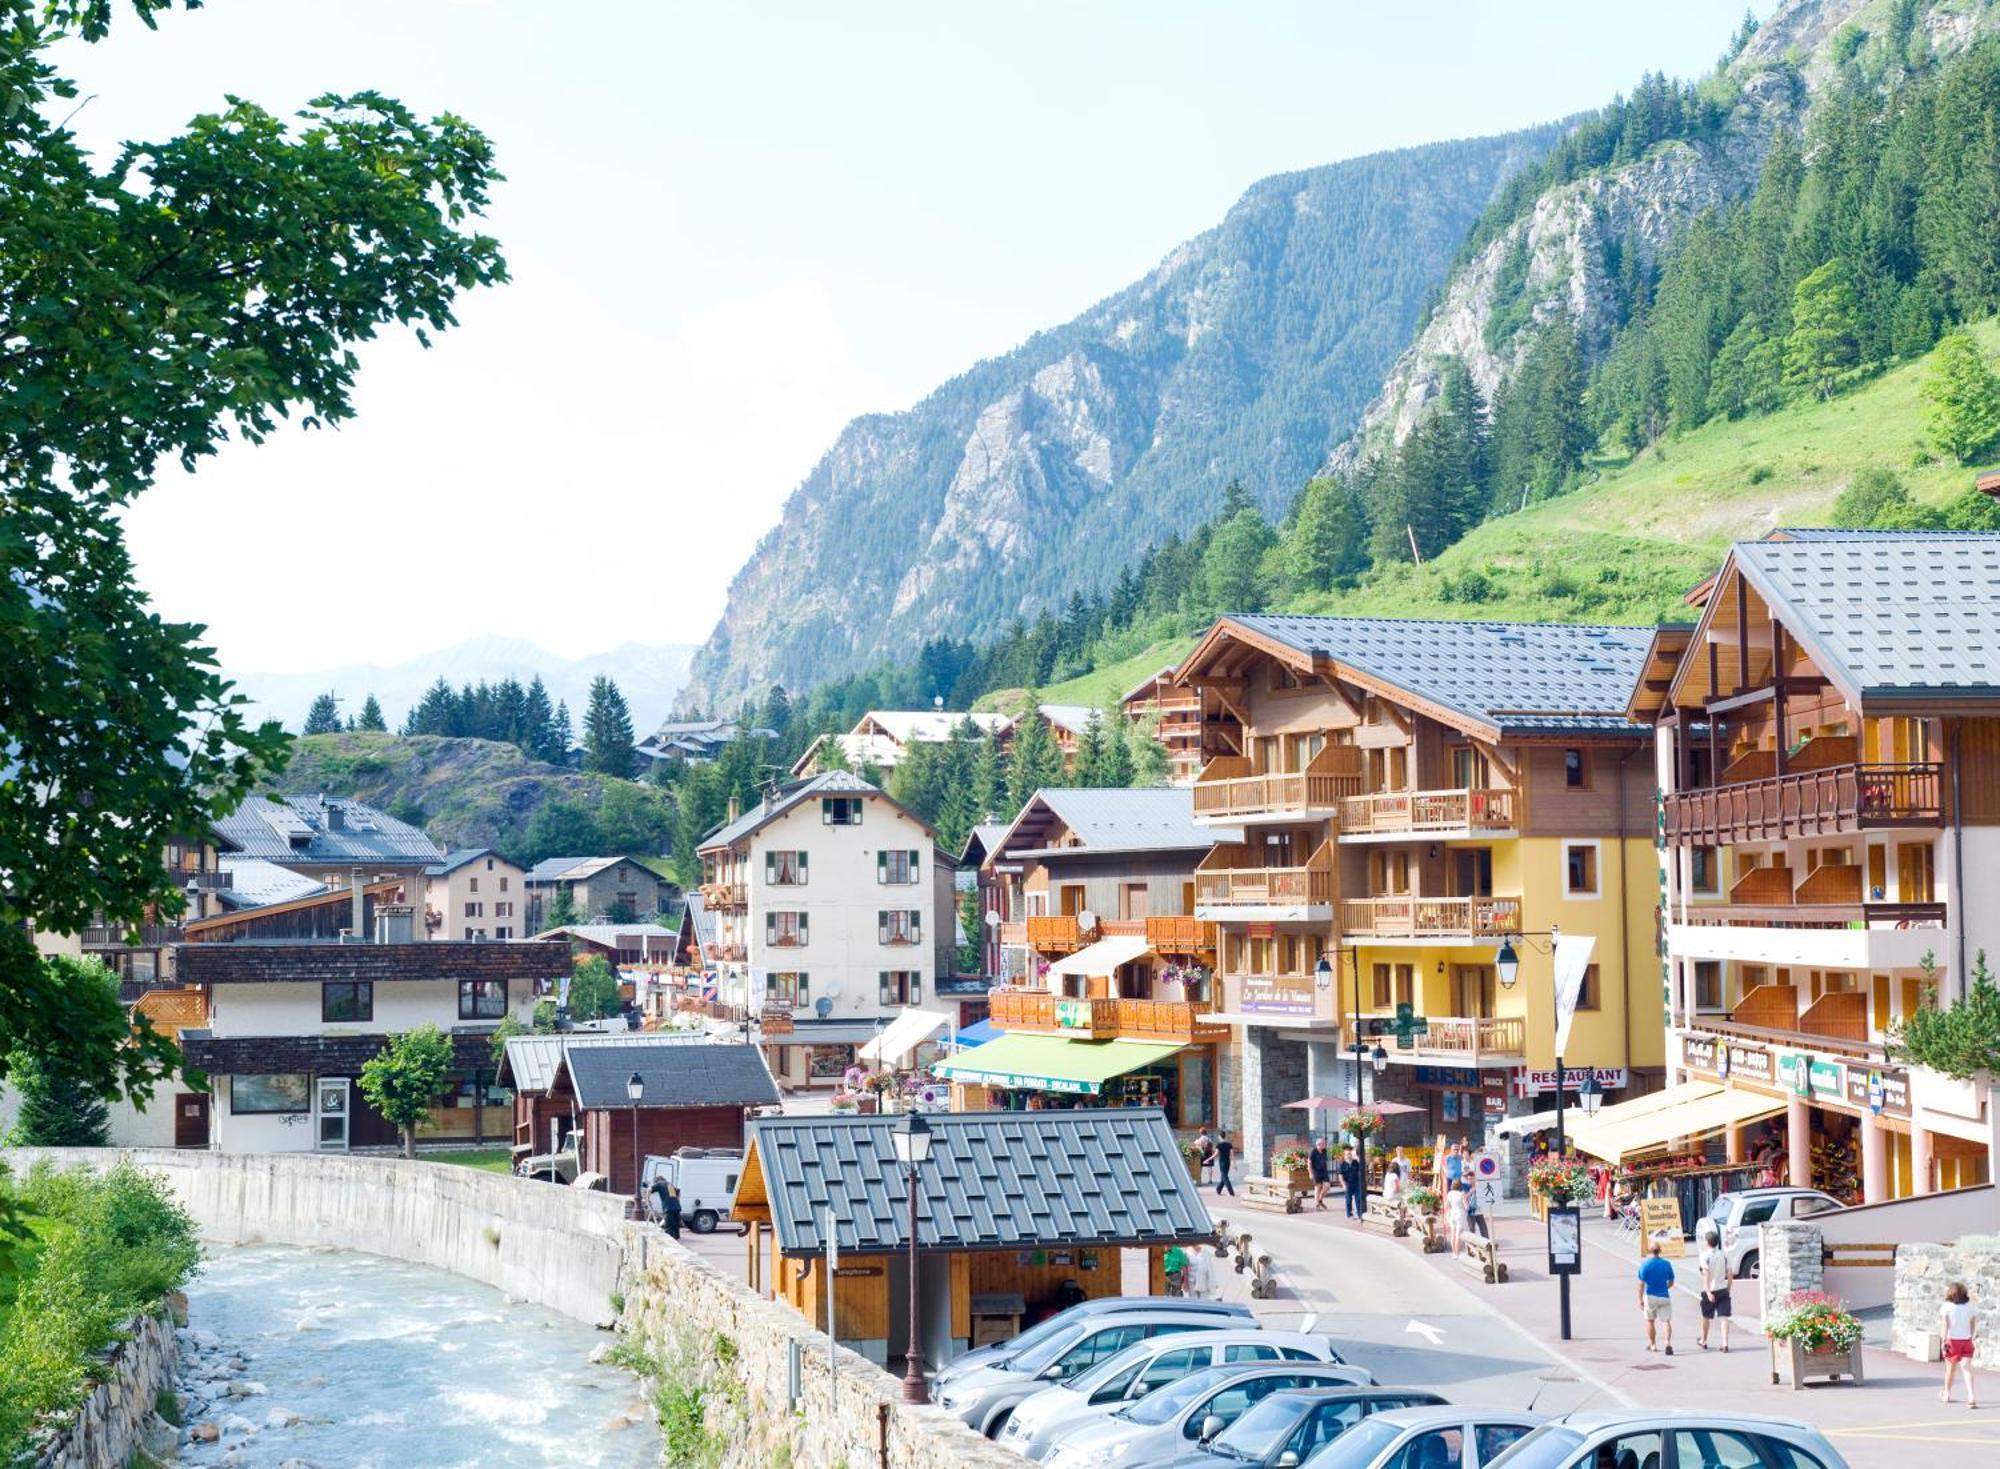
x,y
1249,353
649,675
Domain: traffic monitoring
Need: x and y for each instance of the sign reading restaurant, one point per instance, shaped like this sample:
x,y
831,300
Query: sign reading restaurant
x,y
1883,1089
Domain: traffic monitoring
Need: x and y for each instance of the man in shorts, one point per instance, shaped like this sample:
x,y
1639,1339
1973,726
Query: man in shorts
x,y
1715,1277
1656,1298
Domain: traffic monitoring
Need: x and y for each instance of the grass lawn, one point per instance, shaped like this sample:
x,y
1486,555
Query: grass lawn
x,y
492,1160
1099,687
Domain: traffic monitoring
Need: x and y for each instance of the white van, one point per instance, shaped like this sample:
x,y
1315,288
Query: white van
x,y
705,1179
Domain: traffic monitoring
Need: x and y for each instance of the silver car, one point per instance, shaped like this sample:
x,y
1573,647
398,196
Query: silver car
x,y
1674,1439
1164,1426
1738,1215
1097,1306
986,1397
1290,1426
1426,1438
1041,1421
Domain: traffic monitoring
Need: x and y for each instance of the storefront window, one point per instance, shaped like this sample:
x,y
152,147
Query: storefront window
x,y
283,1092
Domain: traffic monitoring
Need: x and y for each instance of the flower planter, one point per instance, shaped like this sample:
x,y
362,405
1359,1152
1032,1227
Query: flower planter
x,y
866,1105
1804,1364
1299,1180
1193,1161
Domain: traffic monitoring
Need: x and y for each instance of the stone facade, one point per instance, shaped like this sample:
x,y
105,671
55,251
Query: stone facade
x,y
1923,1272
118,1423
1790,1258
1274,1073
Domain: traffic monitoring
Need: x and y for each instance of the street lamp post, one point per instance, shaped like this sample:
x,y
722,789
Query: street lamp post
x,y
635,1092
913,1149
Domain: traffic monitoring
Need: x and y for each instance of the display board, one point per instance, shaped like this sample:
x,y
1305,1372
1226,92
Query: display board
x,y
1660,1223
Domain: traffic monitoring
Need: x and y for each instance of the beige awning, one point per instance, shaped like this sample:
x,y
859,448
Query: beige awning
x,y
1698,1117
1103,958
904,1034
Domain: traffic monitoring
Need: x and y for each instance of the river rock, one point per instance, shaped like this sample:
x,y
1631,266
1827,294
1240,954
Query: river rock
x,y
309,1322
600,1352
282,1418
236,1423
204,1341
205,1433
245,1388
295,1464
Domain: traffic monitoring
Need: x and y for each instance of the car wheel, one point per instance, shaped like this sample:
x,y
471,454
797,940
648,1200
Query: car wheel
x,y
1751,1268
998,1422
703,1221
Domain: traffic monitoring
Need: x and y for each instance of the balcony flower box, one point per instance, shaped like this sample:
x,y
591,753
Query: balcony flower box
x,y
1815,1338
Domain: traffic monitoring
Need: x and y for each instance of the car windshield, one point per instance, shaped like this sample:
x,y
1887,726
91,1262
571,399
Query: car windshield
x,y
1262,1429
1356,1448
1546,1448
1035,1335
1045,1351
1719,1210
1092,1378
1163,1405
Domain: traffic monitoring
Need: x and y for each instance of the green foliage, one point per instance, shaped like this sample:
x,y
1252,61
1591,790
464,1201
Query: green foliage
x,y
540,1023
1035,761
1325,542
500,711
1825,337
1873,499
405,1078
323,717
593,989
1962,399
1960,1040
58,1109
107,1246
371,720
607,731
188,289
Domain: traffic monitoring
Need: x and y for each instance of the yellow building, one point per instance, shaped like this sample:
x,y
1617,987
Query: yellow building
x,y
1412,796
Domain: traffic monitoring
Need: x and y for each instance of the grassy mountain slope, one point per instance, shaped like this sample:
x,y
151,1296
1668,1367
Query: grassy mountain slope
x,y
474,793
1101,686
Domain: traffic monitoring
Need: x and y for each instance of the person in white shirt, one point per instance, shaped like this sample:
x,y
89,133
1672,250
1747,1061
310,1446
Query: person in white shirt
x,y
1455,1216
1958,1319
1199,1281
1713,1266
1392,1181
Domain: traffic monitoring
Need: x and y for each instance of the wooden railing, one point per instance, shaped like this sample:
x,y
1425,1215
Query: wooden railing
x,y
1467,1038
1483,809
1837,799
1229,787
1057,933
1037,1010
1415,917
1816,915
1769,1006
1824,752
1174,934
1751,765
1841,1015
1225,878
142,936
1764,885
1014,931
726,894
1836,882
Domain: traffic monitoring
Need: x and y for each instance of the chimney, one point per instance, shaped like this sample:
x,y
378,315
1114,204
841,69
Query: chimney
x,y
395,923
336,819
735,808
360,899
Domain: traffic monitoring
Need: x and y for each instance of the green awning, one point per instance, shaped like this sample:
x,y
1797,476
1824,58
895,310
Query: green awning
x,y
1052,1063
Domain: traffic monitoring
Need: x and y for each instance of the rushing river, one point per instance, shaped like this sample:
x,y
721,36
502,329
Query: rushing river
x,y
366,1363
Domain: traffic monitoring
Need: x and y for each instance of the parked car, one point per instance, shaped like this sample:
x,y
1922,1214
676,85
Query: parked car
x,y
1043,1418
1684,1439
1290,1426
1062,1320
1180,1424
987,1396
705,1177
1443,1437
559,1166
1739,1213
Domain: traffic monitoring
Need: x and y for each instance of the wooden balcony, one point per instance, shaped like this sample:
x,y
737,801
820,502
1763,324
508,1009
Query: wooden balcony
x,y
1837,882
1840,1016
1296,998
1825,802
1460,1040
1830,896
1177,934
140,936
725,895
1014,932
1768,1006
1227,878
1036,1010
1471,810
1765,886
1057,933
1429,918
1773,1009
1228,789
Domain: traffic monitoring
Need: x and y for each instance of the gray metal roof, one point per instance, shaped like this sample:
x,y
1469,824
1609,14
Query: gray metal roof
x,y
302,829
608,934
995,1180
1888,614
1129,820
705,924
827,783
551,868
675,1075
531,1061
986,836
253,883
1521,677
457,858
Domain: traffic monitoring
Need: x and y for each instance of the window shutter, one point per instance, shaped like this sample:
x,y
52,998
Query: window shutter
x,y
802,869
881,928
803,936
882,988
916,986
770,867
770,928
770,986
802,989
916,926
882,866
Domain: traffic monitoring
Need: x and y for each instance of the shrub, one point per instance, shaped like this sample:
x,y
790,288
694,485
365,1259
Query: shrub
x,y
1759,473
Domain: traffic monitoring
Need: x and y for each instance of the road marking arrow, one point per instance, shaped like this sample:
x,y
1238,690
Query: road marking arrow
x,y
1428,1332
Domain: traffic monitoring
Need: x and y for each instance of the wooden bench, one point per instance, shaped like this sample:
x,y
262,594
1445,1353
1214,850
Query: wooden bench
x,y
1272,1193
1482,1257
1385,1217
1431,1232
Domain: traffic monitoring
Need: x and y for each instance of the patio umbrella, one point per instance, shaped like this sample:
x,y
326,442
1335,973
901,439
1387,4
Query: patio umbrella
x,y
1346,1104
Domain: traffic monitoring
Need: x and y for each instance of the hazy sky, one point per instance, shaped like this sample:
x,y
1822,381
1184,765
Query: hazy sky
x,y
734,226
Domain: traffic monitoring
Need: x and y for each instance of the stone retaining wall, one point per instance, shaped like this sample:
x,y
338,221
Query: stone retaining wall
x,y
1923,1272
1790,1257
574,1252
118,1421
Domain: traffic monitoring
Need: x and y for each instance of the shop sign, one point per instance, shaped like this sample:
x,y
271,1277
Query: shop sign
x,y
1698,1053
1806,1075
775,1022
1496,1104
1714,1056
1458,1078
1660,1224
1824,1077
1073,1014
1534,1083
1879,1089
1267,995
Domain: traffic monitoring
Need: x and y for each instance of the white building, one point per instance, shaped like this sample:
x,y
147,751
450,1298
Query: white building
x,y
475,893
833,911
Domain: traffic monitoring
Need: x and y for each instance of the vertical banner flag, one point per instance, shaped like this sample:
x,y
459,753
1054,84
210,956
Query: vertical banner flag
x,y
1572,959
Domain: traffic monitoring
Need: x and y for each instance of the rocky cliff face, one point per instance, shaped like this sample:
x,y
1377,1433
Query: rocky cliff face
x,y
1249,352
1573,233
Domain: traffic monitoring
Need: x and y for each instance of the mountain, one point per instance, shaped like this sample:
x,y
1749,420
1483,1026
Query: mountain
x,y
650,676
1248,353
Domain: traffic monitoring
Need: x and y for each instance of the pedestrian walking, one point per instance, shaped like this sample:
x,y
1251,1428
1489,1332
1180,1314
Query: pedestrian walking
x,y
1713,1263
1224,1151
1455,1216
1354,1183
1198,1280
1392,1181
1958,1320
1321,1172
1475,1217
1656,1298
1173,1265
1204,1149
1454,1167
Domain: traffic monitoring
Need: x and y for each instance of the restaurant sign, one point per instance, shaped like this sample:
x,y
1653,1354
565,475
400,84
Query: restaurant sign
x,y
1880,1089
1535,1083
1273,995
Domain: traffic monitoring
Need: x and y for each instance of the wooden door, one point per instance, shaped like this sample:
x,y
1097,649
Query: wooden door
x,y
1915,878
1132,901
1072,899
1474,986
191,1120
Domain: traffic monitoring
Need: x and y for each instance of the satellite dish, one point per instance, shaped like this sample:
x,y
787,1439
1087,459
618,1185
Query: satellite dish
x,y
992,918
823,1006
1086,919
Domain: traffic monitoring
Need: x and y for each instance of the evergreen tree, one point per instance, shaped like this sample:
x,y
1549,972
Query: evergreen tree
x,y
1823,341
1035,761
985,785
323,717
435,714
1150,767
1117,748
1962,399
536,718
1746,377
371,717
1326,542
1230,569
58,1109
607,731
561,735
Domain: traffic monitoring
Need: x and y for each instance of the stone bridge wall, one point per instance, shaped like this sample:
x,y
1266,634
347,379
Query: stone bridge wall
x,y
574,1252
